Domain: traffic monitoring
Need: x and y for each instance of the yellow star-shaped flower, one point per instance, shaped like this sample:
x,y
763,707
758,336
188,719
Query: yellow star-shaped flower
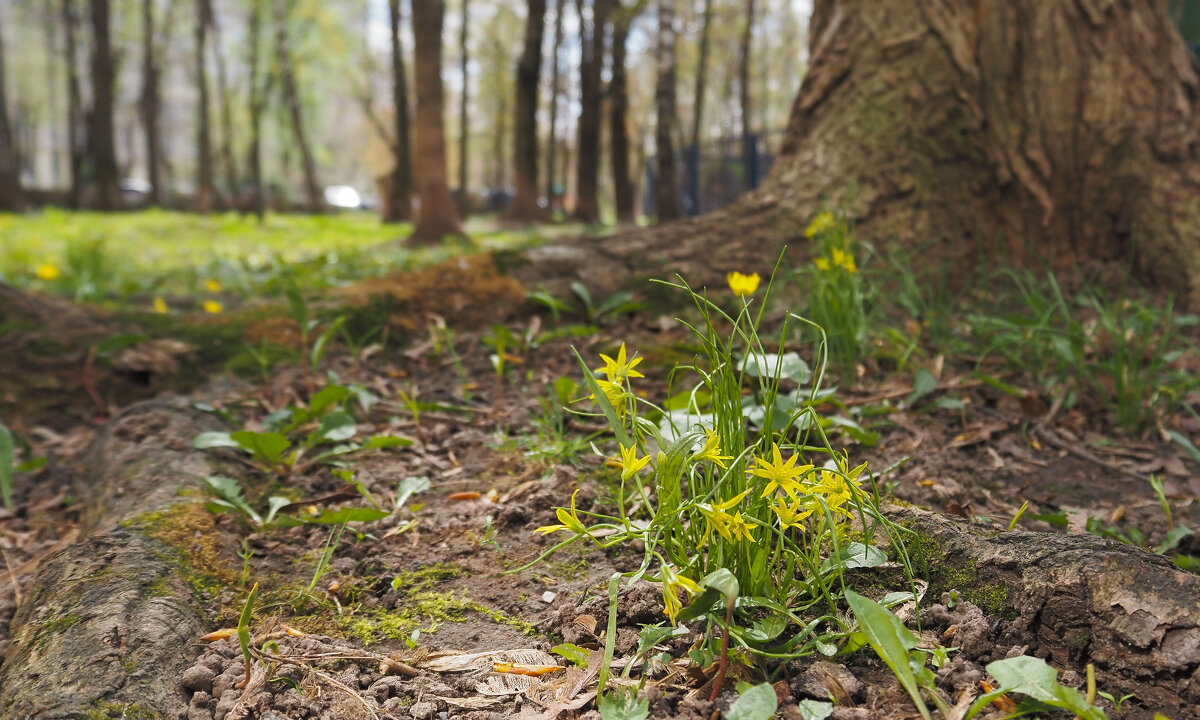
x,y
568,520
712,450
630,463
671,583
780,475
742,285
618,370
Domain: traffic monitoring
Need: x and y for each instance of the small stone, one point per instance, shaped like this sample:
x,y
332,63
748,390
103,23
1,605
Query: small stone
x,y
423,710
548,597
198,678
225,704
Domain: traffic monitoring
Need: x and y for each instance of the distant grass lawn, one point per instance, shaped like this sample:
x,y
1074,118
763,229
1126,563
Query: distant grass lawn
x,y
120,259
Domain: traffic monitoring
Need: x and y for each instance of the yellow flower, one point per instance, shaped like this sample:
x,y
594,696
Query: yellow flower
x,y
212,286
794,514
837,490
630,464
779,474
48,271
213,307
845,259
616,395
568,520
160,306
822,264
617,370
727,526
671,583
712,450
822,222
742,284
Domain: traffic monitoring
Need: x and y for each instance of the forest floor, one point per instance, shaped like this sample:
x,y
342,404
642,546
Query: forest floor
x,y
412,614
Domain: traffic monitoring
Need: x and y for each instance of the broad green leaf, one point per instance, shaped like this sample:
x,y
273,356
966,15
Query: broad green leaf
x,y
757,703
326,398
1174,537
923,384
890,640
1186,443
318,348
206,440
700,605
1034,677
854,555
573,654
410,486
274,504
386,441
724,582
268,447
652,635
790,365
7,455
815,709
335,427
623,705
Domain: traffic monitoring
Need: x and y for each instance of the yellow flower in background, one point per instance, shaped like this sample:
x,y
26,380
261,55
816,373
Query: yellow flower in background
x,y
822,264
779,474
568,520
671,583
742,284
160,306
615,393
844,259
630,464
837,490
618,370
212,286
48,271
213,307
712,450
822,222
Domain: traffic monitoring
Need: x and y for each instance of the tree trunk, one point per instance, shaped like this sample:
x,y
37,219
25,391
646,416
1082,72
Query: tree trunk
x,y
75,126
150,105
591,64
667,195
744,69
102,131
438,216
258,101
618,121
1035,132
229,166
12,198
701,75
291,97
204,168
464,122
555,91
525,137
399,205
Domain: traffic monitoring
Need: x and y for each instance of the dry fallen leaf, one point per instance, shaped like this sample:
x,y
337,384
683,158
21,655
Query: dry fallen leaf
x,y
221,634
529,670
469,495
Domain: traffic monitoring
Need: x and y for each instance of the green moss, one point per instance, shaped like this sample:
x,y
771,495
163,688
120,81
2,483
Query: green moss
x,y
962,575
193,548
109,710
57,626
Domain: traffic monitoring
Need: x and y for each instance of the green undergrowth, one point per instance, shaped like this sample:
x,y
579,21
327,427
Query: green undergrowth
x,y
192,546
961,575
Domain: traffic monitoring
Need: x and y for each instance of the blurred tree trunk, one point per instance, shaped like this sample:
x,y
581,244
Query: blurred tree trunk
x,y
291,97
75,125
701,75
744,58
204,166
464,122
228,165
101,131
667,195
399,205
555,91
12,198
259,91
591,65
618,108
525,136
150,104
438,216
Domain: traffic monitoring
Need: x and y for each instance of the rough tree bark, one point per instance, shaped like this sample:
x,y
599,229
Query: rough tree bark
x,y
291,97
12,198
525,138
555,91
438,216
666,199
229,166
204,166
591,64
1039,131
744,59
151,104
75,128
464,122
618,110
399,205
102,130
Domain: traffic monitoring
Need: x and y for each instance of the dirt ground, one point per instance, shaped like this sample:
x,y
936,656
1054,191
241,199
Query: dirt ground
x,y
497,475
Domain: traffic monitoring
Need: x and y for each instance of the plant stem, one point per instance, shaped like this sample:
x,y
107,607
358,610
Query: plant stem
x,y
724,662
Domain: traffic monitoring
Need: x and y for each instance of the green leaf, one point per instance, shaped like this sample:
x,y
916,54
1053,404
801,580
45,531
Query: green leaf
x,y
335,427
651,635
1174,537
243,628
206,440
329,396
815,709
7,455
623,705
790,365
268,447
923,384
274,504
386,441
854,555
573,654
334,517
410,486
757,703
1033,677
724,582
318,348
700,605
890,640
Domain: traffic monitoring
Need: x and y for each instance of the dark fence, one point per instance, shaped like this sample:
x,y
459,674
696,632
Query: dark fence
x,y
714,174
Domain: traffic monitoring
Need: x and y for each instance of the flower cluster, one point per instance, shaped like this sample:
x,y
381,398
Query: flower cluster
x,y
823,222
837,258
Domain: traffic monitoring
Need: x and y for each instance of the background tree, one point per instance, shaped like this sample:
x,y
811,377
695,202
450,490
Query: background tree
x,y
525,136
464,124
399,205
701,74
204,165
75,127
260,88
225,98
151,99
438,216
667,195
291,98
101,125
618,105
11,196
555,91
591,65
